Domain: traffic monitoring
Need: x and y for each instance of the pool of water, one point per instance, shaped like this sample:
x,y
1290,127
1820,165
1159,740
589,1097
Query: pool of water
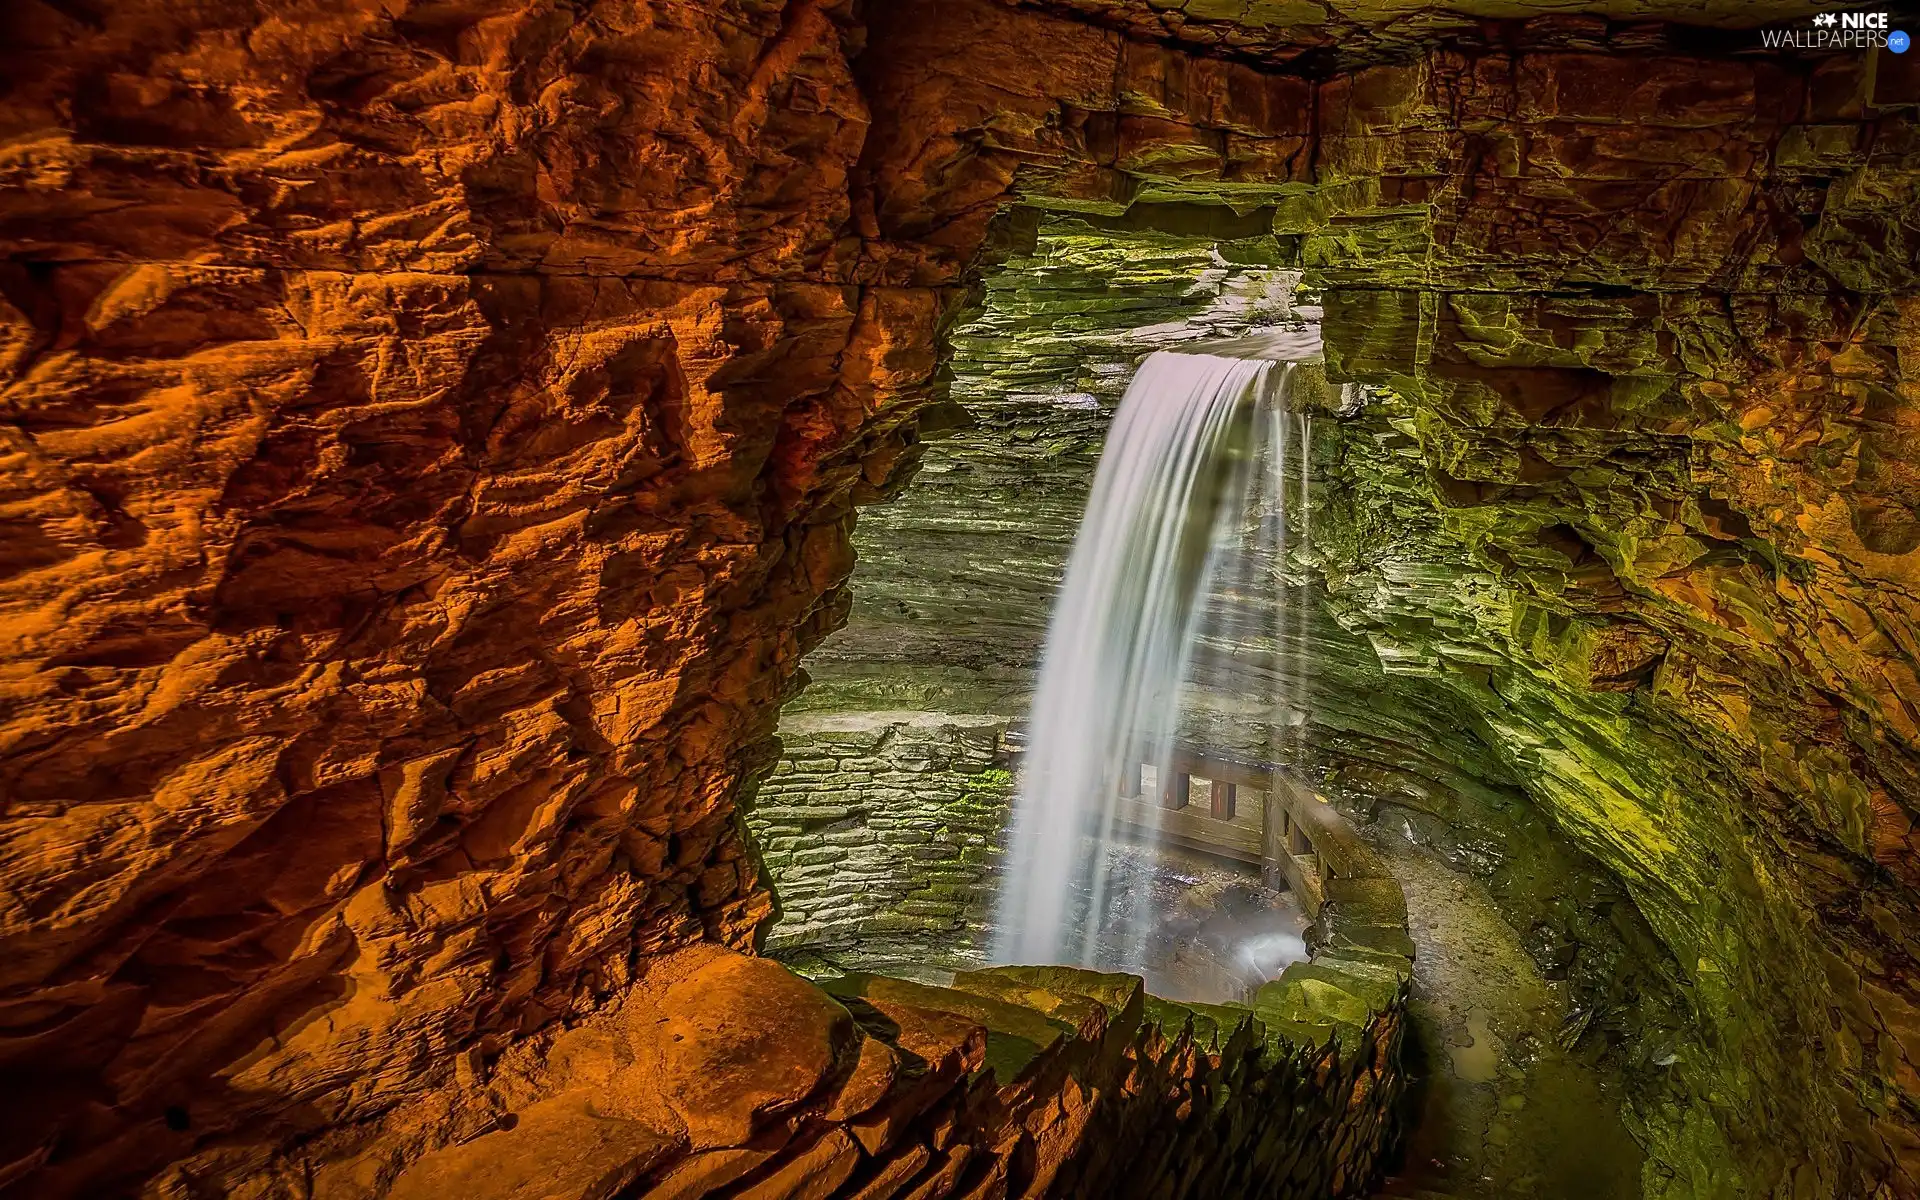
x,y
1196,928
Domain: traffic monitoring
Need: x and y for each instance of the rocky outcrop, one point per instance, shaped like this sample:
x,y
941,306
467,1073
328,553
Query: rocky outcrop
x,y
428,436
431,432
724,1074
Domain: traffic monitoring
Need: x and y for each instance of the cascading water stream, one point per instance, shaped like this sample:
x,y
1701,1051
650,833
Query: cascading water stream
x,y
1197,448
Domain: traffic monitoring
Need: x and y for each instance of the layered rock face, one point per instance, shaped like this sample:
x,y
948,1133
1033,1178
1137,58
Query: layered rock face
x,y
880,823
1678,624
431,433
878,831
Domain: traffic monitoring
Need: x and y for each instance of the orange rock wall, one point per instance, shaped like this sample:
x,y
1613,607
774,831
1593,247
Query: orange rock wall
x,y
430,431
427,441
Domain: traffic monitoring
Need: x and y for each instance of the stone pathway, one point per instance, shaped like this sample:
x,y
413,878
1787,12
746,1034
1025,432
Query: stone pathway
x,y
1505,1108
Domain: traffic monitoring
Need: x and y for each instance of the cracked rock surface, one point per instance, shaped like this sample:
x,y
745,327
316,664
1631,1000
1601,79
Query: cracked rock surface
x,y
429,434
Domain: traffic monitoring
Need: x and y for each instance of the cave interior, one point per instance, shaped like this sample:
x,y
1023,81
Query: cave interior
x,y
528,528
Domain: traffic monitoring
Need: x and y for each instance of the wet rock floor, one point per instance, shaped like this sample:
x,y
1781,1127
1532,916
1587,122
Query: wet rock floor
x,y
1503,1107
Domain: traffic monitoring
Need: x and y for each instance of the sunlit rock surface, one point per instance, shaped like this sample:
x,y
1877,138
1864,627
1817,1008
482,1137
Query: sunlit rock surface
x,y
430,433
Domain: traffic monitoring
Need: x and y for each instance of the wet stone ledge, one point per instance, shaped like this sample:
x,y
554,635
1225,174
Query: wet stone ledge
x,y
1361,959
1014,1081
1038,1081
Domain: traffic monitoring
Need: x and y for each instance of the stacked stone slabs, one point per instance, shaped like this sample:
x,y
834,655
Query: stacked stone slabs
x,y
878,830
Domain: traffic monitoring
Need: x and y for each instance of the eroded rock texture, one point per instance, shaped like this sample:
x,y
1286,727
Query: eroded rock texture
x,y
430,437
1694,623
722,1074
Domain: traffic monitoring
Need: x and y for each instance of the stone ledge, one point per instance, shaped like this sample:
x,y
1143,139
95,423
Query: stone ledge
x,y
1362,952
726,1075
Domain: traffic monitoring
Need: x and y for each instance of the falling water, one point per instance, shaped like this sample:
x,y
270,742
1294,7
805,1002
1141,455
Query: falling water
x,y
1297,658
1197,447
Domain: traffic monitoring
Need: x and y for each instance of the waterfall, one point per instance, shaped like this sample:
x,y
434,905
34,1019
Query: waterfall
x,y
1290,633
1197,449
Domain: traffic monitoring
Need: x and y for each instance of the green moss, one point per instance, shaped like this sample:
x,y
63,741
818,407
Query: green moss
x,y
1509,588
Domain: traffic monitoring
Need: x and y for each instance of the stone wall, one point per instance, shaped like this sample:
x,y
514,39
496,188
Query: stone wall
x,y
879,833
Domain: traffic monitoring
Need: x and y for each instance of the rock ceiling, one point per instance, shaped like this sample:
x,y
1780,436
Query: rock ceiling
x,y
1356,30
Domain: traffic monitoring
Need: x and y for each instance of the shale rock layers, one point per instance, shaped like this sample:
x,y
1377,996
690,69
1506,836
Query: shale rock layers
x,y
431,430
428,436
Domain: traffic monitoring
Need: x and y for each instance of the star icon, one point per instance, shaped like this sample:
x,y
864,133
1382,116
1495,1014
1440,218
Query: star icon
x,y
1825,19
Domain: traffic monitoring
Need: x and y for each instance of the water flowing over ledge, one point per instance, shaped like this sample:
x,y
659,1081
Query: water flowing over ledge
x,y
1191,496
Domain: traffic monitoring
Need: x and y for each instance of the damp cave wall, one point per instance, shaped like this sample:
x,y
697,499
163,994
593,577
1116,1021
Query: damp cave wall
x,y
431,437
879,834
882,824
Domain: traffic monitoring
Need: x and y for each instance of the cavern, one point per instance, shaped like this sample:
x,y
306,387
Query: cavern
x,y
959,600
